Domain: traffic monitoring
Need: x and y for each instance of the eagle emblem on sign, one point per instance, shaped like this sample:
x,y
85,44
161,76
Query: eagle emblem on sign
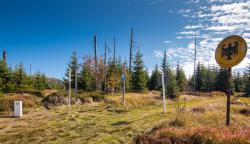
x,y
230,50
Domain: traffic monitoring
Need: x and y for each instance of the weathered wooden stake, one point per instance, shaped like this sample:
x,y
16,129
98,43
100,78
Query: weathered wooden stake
x,y
124,83
95,53
163,93
76,77
105,66
69,98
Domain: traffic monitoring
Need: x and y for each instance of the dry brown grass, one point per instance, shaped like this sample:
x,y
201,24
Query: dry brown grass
x,y
135,100
7,102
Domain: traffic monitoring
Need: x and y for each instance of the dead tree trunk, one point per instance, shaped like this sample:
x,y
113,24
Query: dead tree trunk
x,y
95,45
4,56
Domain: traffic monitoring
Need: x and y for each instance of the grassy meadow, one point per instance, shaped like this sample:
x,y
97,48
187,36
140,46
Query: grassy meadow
x,y
140,120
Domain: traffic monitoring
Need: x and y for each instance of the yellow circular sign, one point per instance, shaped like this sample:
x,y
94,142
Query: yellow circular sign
x,y
231,51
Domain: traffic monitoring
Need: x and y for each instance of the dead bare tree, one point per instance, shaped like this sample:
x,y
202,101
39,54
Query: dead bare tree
x,y
95,45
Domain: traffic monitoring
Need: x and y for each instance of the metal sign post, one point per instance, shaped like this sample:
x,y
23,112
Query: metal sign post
x,y
229,53
229,74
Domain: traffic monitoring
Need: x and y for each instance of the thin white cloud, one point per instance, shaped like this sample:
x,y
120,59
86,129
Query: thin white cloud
x,y
215,20
158,53
154,2
193,26
167,42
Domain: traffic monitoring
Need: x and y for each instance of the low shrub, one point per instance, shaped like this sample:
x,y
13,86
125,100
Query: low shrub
x,y
245,111
220,135
200,109
37,93
95,95
177,122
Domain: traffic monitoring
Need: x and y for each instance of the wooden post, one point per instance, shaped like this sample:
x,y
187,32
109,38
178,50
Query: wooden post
x,y
96,80
76,77
69,98
105,67
229,74
163,93
114,51
124,83
130,49
163,81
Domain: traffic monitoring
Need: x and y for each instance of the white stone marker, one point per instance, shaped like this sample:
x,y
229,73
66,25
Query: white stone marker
x,y
18,108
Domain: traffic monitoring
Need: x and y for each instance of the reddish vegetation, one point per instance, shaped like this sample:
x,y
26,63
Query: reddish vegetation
x,y
196,135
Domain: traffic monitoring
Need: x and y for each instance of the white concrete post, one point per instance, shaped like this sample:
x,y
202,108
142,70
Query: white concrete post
x,y
18,109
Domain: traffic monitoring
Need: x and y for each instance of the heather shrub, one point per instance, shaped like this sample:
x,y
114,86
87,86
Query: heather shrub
x,y
206,135
245,111
177,122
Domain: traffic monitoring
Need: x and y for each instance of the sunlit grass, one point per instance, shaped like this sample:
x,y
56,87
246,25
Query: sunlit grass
x,y
103,123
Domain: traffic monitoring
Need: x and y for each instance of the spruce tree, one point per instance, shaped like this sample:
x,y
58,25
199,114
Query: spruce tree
x,y
180,78
172,90
201,76
74,67
139,77
247,82
211,73
221,80
20,78
238,82
87,77
39,81
153,81
6,78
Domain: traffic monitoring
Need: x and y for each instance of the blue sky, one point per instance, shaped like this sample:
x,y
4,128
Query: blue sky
x,y
44,33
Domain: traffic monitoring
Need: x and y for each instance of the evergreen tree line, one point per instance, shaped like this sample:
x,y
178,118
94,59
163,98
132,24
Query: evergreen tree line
x,y
212,78
111,72
175,80
15,80
137,80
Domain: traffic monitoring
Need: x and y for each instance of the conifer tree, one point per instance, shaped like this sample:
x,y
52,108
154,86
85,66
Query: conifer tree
x,y
221,80
153,81
74,67
40,81
87,77
201,77
238,82
6,78
180,78
247,82
139,77
20,78
172,90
